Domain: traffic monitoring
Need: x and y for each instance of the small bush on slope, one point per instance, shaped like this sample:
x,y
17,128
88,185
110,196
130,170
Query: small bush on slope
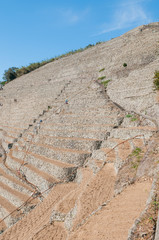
x,y
156,80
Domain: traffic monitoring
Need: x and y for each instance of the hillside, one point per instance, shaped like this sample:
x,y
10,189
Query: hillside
x,y
87,169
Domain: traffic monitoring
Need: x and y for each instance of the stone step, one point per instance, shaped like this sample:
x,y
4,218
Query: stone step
x,y
15,180
12,128
15,184
92,114
125,133
11,134
16,192
22,196
85,144
72,156
13,201
104,154
34,176
122,86
118,149
85,104
93,110
5,209
78,134
78,127
69,120
9,213
71,96
55,168
10,139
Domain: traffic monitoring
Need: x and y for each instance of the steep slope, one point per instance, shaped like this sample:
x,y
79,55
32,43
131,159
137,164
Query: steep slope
x,y
100,141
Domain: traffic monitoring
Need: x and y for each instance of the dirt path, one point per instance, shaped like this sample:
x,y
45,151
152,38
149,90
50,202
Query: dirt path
x,y
114,221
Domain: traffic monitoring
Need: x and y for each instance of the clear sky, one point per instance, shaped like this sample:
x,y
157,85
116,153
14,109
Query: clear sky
x,y
36,30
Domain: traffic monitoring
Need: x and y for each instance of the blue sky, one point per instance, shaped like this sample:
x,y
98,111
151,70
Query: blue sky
x,y
36,30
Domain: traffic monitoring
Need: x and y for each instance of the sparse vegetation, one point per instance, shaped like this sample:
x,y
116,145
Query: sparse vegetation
x,y
128,115
105,83
14,72
135,164
98,43
136,151
147,224
3,83
133,118
124,64
101,78
156,204
136,156
156,80
101,69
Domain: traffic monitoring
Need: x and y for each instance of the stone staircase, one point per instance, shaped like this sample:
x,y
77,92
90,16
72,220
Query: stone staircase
x,y
69,147
64,141
68,140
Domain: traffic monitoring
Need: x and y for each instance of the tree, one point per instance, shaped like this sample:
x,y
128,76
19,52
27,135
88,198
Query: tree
x,y
10,74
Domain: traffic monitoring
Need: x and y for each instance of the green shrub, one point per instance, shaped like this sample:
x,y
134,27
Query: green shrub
x,y
3,83
156,80
33,66
124,64
88,46
14,72
22,71
10,74
97,43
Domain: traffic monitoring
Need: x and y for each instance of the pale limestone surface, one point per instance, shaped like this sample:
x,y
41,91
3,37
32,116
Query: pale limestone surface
x,y
74,141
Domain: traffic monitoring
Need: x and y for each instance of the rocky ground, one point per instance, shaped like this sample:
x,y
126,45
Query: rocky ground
x,y
87,169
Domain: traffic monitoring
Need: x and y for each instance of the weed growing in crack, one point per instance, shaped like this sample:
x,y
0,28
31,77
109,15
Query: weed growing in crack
x,y
133,118
136,152
101,69
105,83
101,78
136,155
156,204
128,116
135,165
